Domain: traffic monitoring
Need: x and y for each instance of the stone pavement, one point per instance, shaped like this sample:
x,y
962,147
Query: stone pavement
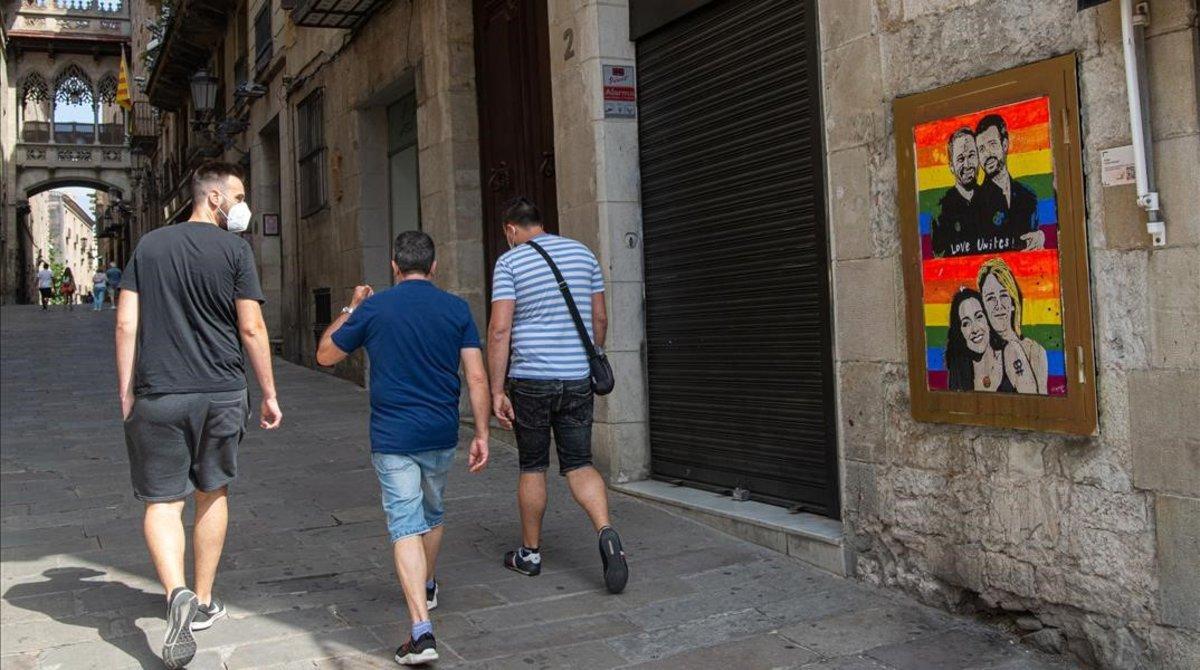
x,y
307,573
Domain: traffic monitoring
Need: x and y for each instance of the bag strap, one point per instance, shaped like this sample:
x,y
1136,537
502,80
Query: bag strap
x,y
566,292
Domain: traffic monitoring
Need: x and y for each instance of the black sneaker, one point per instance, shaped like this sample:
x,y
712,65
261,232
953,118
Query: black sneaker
x,y
179,646
530,565
431,596
616,571
207,615
418,652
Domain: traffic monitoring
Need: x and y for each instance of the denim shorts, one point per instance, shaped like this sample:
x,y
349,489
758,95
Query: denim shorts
x,y
412,487
542,406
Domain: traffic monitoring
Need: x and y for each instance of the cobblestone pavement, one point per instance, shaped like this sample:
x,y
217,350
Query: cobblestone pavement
x,y
307,572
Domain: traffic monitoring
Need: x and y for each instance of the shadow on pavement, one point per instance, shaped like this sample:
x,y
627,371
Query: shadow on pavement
x,y
118,626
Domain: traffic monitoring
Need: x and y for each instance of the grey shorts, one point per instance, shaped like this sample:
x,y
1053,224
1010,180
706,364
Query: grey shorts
x,y
180,442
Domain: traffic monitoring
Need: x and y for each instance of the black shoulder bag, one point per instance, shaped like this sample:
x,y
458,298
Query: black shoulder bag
x,y
602,374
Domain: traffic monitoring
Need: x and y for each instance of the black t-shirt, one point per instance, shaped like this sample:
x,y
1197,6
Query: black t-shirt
x,y
188,278
955,225
1001,224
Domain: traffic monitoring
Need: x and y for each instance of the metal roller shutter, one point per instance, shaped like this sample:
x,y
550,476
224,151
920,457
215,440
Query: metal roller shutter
x,y
737,300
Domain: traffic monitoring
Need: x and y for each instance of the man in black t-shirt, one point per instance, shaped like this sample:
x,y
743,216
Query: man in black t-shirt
x,y
1008,218
955,223
190,304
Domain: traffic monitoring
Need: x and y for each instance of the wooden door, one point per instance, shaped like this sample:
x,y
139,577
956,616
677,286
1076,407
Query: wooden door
x,y
516,121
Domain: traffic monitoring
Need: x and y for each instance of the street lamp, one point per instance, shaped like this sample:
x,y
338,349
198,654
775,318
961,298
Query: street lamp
x,y
204,91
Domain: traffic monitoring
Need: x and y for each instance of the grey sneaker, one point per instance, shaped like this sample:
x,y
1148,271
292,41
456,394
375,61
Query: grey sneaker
x,y
178,645
207,615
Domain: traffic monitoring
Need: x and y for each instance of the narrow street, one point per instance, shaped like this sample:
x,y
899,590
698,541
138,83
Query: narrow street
x,y
307,572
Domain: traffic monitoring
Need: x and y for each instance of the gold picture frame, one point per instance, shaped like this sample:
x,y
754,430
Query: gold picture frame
x,y
994,251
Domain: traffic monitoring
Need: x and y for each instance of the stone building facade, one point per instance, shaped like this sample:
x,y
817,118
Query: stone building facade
x,y
350,135
1095,536
60,223
60,124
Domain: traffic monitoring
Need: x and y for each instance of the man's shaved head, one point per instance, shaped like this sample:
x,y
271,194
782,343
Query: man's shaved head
x,y
212,176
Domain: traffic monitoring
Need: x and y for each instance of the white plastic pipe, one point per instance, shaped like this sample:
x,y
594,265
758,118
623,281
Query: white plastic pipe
x,y
1132,41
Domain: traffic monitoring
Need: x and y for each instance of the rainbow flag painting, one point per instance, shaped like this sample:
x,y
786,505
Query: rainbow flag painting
x,y
989,251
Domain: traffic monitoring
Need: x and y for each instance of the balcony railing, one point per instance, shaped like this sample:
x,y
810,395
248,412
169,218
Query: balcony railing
x,y
111,133
110,6
36,131
143,126
103,20
74,133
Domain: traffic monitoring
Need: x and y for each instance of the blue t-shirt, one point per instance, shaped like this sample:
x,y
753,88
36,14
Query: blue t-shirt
x,y
545,343
414,333
113,275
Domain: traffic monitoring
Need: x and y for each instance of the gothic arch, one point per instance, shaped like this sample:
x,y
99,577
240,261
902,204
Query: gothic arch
x,y
33,88
106,90
73,86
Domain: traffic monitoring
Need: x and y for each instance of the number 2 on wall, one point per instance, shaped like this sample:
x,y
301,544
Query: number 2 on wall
x,y
569,38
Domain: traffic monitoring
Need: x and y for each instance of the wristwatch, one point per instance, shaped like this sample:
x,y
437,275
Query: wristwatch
x,y
347,310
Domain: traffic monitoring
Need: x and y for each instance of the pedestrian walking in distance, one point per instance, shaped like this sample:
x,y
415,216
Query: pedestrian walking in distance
x,y
112,278
191,306
99,283
416,335
45,284
541,378
66,288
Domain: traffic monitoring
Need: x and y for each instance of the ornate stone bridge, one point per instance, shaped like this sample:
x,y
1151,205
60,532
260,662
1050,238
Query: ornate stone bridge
x,y
63,127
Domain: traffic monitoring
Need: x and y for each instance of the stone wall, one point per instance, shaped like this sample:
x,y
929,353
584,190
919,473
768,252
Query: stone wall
x,y
1091,540
10,261
424,46
599,203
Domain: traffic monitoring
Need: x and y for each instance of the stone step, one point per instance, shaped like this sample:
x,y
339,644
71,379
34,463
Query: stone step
x,y
816,540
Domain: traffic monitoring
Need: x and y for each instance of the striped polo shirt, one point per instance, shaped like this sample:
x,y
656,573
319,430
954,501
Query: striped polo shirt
x,y
545,344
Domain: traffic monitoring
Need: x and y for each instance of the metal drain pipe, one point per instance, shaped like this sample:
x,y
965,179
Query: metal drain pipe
x,y
1133,39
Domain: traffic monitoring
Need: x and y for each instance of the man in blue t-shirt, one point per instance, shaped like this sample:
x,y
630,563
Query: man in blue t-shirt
x,y
415,335
113,278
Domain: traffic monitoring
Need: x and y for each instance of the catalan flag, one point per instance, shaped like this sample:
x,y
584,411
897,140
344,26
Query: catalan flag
x,y
1036,272
123,85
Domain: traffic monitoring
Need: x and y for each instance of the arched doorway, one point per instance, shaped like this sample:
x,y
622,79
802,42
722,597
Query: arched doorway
x,y
75,221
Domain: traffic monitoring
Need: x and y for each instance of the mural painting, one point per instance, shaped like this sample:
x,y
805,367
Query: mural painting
x,y
990,267
994,248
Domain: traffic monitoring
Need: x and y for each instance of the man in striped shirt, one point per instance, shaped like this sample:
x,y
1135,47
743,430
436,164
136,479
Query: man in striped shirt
x,y
541,380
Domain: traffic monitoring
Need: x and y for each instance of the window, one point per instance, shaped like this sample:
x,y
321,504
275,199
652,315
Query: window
x,y
322,311
312,153
242,48
239,71
263,46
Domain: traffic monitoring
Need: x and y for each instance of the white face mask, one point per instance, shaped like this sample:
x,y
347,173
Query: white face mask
x,y
237,219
